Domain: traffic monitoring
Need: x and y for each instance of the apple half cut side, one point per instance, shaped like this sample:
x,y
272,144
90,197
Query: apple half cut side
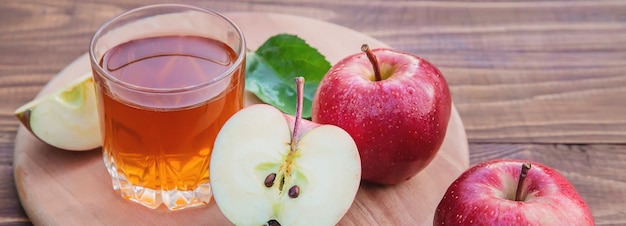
x,y
256,180
66,118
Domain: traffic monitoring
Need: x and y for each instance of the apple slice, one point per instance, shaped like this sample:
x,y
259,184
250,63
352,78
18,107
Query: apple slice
x,y
268,168
66,118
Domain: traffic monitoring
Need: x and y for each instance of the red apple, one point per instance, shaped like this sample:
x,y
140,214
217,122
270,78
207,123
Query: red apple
x,y
395,105
512,192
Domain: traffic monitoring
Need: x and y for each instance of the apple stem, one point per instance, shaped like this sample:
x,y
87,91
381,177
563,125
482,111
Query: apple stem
x,y
522,179
299,103
370,55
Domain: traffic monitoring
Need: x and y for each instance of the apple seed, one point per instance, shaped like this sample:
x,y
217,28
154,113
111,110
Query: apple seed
x,y
520,183
294,191
269,180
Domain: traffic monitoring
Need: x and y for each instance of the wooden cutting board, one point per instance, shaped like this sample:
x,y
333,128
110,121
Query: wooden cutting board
x,y
58,187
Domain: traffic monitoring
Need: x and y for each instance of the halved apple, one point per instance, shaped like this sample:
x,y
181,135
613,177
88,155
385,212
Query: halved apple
x,y
268,168
66,118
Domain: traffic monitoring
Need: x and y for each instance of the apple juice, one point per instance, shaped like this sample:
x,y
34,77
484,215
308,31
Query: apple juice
x,y
154,141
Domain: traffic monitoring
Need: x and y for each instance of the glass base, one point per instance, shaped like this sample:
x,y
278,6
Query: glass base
x,y
172,199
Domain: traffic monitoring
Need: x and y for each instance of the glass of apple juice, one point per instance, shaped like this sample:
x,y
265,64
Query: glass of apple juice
x,y
167,78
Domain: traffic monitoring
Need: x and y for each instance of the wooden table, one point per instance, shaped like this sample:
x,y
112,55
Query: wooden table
x,y
537,80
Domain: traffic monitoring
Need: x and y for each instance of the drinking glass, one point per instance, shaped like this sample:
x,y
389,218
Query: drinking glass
x,y
167,77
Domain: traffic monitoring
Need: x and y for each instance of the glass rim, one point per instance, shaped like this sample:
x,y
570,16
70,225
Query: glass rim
x,y
240,54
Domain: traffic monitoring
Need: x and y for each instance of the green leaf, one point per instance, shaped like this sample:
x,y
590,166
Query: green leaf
x,y
272,68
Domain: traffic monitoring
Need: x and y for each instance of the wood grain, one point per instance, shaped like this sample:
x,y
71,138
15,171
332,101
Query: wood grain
x,y
536,56
528,76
